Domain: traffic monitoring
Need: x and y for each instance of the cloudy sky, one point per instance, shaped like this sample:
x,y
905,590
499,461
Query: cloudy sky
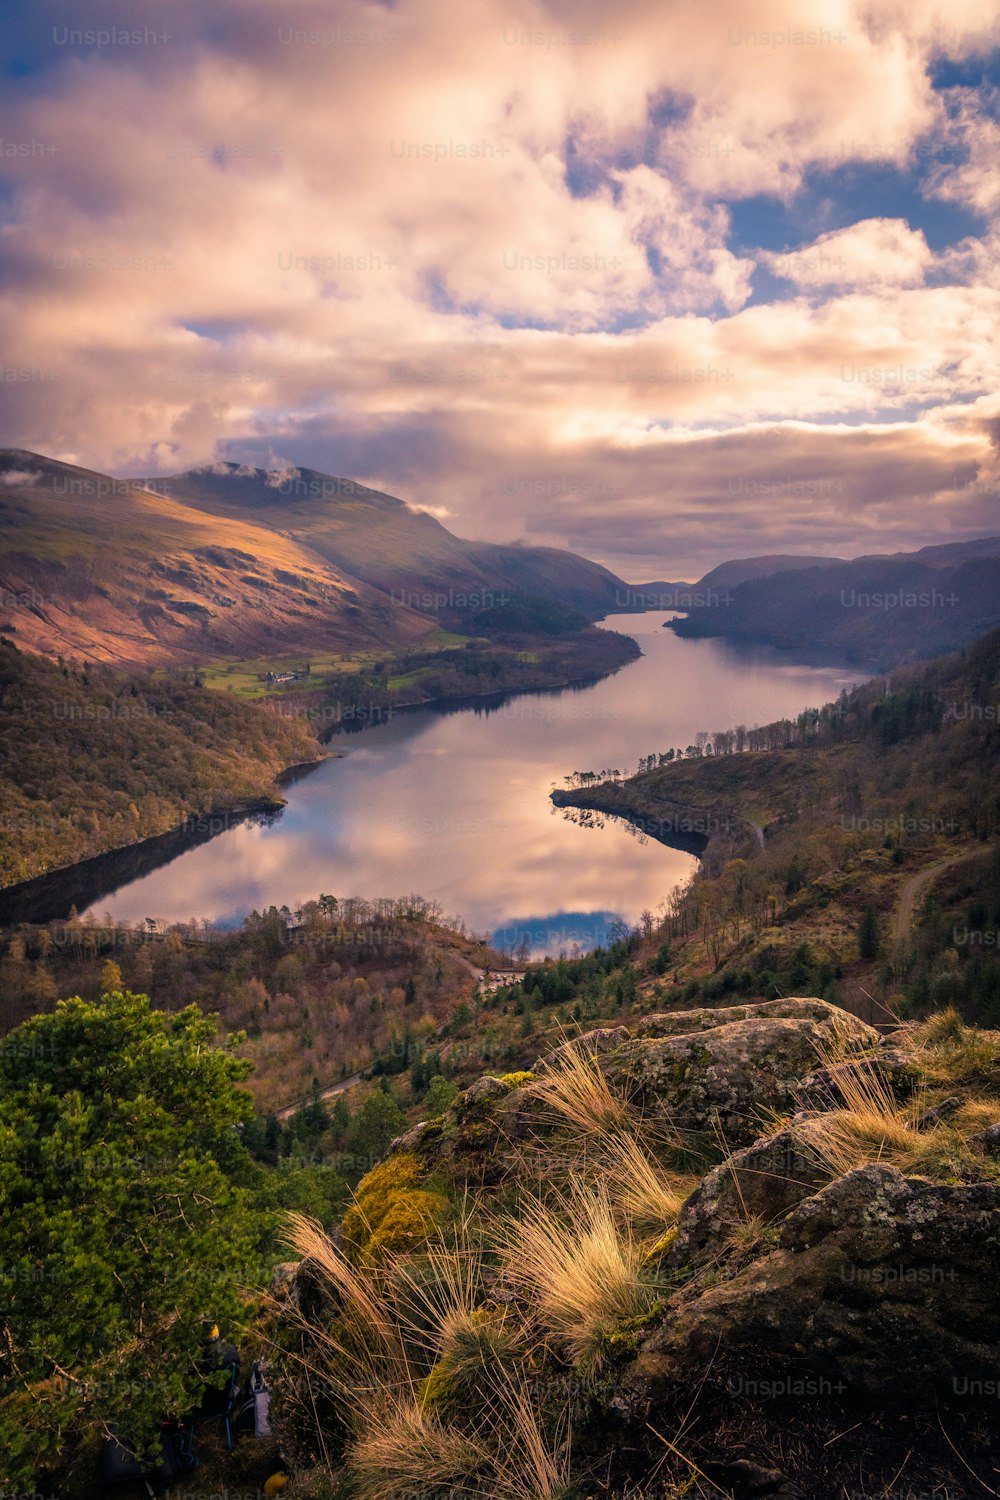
x,y
666,281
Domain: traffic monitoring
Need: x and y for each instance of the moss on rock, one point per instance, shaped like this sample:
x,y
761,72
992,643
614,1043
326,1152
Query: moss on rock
x,y
392,1212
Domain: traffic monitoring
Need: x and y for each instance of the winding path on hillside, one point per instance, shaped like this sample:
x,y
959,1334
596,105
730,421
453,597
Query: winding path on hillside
x,y
327,1093
915,889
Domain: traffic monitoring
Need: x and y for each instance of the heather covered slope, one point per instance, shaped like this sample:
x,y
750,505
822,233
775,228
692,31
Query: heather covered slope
x,y
362,531
105,570
390,545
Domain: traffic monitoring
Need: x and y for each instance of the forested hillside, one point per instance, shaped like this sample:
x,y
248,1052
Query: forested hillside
x,y
850,801
91,759
320,994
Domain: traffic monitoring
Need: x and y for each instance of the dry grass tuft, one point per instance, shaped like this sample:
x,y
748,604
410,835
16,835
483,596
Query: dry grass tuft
x,y
575,1088
649,1195
752,1234
410,1455
869,1126
976,1115
582,1272
608,1140
534,1467
944,1026
393,1324
439,1293
948,1051
364,1334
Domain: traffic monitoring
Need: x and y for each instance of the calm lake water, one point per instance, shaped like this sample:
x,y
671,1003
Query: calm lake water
x,y
454,805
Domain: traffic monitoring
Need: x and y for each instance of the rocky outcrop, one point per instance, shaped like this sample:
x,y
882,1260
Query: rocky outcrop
x,y
881,1285
725,1071
810,1330
720,1073
878,1282
763,1182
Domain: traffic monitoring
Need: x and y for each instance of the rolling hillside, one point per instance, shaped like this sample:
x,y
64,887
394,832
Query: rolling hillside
x,y
877,610
232,563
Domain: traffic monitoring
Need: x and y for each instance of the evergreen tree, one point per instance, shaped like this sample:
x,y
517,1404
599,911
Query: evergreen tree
x,y
868,934
377,1122
126,1221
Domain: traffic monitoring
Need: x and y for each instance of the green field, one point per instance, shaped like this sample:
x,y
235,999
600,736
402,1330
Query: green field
x,y
245,678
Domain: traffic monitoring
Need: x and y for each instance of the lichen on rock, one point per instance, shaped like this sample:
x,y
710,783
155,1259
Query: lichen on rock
x,y
725,1071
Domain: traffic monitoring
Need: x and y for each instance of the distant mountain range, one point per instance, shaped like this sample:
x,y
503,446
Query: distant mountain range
x,y
228,560
728,575
387,544
878,610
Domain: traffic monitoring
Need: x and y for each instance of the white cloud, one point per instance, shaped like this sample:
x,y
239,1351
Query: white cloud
x,y
872,253
974,182
456,250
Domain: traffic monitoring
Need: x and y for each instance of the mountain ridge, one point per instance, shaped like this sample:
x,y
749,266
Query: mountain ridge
x,y
146,572
413,553
879,609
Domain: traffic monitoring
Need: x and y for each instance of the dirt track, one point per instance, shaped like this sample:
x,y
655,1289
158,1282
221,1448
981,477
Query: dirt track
x,y
915,888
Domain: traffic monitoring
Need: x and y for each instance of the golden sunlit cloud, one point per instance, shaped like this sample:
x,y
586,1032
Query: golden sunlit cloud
x,y
538,269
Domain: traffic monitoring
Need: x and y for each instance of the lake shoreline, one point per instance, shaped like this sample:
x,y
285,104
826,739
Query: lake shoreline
x,y
42,890
712,834
488,700
43,897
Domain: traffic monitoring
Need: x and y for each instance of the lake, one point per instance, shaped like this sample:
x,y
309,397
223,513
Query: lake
x,y
453,805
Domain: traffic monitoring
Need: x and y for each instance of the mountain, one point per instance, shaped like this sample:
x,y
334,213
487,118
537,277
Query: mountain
x,y
231,562
727,575
876,610
389,545
730,575
707,592
104,569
